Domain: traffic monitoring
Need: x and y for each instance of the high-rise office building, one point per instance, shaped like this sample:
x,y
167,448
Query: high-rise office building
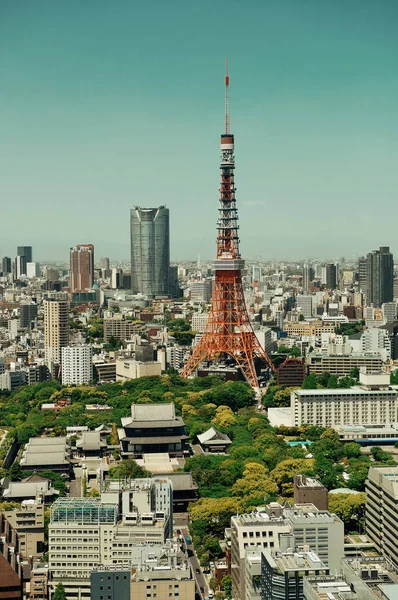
x,y
81,267
6,265
24,256
27,314
77,365
104,263
56,326
150,251
32,270
331,276
308,276
26,252
363,274
380,276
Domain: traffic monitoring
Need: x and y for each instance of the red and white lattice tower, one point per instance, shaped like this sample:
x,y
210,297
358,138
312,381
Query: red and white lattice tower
x,y
228,330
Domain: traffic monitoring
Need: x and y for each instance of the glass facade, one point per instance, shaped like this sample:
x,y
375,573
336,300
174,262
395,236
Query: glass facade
x,y
82,511
150,251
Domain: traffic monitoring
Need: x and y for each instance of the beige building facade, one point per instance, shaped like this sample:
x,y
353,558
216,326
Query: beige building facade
x,y
56,326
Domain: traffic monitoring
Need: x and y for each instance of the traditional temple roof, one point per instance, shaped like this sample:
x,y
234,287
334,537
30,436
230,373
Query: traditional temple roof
x,y
214,437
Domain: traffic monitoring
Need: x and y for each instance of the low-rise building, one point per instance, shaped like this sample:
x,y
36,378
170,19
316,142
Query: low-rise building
x,y
291,372
152,428
11,575
28,522
41,454
308,490
129,368
214,441
342,364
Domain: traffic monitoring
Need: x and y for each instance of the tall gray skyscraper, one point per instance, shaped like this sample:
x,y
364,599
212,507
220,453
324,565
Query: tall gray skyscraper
x,y
380,276
24,256
150,251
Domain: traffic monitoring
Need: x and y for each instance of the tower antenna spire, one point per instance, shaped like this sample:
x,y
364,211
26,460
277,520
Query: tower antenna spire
x,y
226,97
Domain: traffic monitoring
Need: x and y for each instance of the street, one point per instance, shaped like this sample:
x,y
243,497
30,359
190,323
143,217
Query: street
x,y
195,565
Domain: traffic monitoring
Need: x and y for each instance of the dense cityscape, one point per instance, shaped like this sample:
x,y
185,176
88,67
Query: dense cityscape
x,y
198,429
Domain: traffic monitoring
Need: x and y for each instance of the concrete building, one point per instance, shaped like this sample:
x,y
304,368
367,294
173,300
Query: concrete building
x,y
370,577
304,305
129,368
77,365
150,251
81,267
130,520
329,587
56,326
389,310
308,328
27,314
308,490
380,276
24,256
376,340
199,321
200,291
28,522
336,407
282,573
33,270
155,572
308,277
11,380
11,575
120,328
291,372
6,265
250,532
382,510
342,364
321,530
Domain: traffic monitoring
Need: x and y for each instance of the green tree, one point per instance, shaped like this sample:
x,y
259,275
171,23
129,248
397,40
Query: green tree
x,y
59,593
310,382
127,468
213,583
226,583
217,512
350,508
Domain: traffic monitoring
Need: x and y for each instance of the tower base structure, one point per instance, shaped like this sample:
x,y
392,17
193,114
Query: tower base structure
x,y
228,330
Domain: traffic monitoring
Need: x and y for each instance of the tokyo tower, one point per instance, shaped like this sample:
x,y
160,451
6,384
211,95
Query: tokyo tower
x,y
228,330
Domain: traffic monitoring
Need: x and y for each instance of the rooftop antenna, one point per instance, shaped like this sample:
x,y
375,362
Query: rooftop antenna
x,y
226,97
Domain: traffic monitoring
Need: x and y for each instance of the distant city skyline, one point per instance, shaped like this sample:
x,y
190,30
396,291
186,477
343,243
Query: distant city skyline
x,y
105,110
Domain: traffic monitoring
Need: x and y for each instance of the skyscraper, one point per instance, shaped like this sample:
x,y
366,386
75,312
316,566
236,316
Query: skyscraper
x,y
81,267
24,256
150,251
56,326
308,276
363,274
6,265
380,276
331,276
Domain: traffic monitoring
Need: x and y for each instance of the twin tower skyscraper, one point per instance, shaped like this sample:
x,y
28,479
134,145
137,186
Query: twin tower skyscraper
x,y
150,251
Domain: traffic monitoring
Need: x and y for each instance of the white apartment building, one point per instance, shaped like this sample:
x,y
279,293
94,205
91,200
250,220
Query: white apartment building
x,y
352,406
56,326
77,365
376,340
382,510
199,321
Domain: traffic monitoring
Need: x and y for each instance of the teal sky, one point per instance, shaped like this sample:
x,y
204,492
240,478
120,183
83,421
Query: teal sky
x,y
105,104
